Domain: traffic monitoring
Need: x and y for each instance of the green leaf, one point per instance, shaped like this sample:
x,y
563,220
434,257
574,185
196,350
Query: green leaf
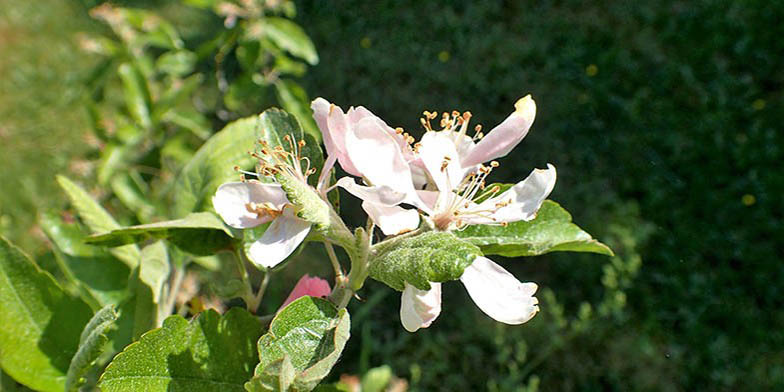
x,y
211,353
200,233
97,219
137,96
177,63
295,100
551,231
91,345
154,268
101,277
213,165
40,322
429,257
290,37
305,341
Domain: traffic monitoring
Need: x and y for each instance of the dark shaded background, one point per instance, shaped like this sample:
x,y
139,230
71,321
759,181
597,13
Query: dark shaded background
x,y
674,108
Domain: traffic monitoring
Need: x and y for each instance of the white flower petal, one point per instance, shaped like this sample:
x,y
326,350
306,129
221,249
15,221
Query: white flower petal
x,y
321,108
505,136
378,156
231,199
439,156
382,195
419,308
281,239
392,220
525,197
498,293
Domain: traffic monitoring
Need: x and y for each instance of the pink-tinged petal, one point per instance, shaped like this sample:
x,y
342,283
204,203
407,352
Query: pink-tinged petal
x,y
281,239
339,127
378,157
439,156
419,308
308,285
358,113
321,108
505,136
382,195
232,198
524,199
323,180
498,293
429,198
392,220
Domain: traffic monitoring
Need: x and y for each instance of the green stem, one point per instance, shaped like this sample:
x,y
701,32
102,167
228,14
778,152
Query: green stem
x,y
253,305
171,297
247,296
333,258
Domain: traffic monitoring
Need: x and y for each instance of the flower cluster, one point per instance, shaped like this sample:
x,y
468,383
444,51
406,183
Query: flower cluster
x,y
436,183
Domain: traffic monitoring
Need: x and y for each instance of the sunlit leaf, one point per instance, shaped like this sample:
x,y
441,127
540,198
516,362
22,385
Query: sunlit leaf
x,y
428,257
552,230
210,353
40,323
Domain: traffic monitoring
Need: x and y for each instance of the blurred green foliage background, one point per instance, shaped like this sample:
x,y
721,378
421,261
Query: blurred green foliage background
x,y
664,119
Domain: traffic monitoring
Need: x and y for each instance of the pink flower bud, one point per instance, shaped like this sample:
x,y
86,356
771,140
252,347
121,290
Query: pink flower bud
x,y
307,285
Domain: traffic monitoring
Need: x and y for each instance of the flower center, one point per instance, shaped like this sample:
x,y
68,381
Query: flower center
x,y
264,209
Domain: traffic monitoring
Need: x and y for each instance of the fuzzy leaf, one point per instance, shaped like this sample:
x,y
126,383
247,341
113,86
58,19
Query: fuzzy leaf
x,y
40,322
552,230
91,344
97,219
211,353
201,233
290,37
213,165
305,339
428,257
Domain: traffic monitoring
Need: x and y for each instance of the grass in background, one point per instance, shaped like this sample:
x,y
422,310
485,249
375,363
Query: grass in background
x,y
42,121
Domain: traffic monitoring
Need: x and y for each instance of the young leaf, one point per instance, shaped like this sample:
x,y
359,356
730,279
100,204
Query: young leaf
x,y
303,343
428,257
552,230
290,37
200,233
40,322
213,165
101,277
91,345
97,219
211,353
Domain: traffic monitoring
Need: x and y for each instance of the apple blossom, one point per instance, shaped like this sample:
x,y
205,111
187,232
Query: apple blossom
x,y
248,204
452,163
